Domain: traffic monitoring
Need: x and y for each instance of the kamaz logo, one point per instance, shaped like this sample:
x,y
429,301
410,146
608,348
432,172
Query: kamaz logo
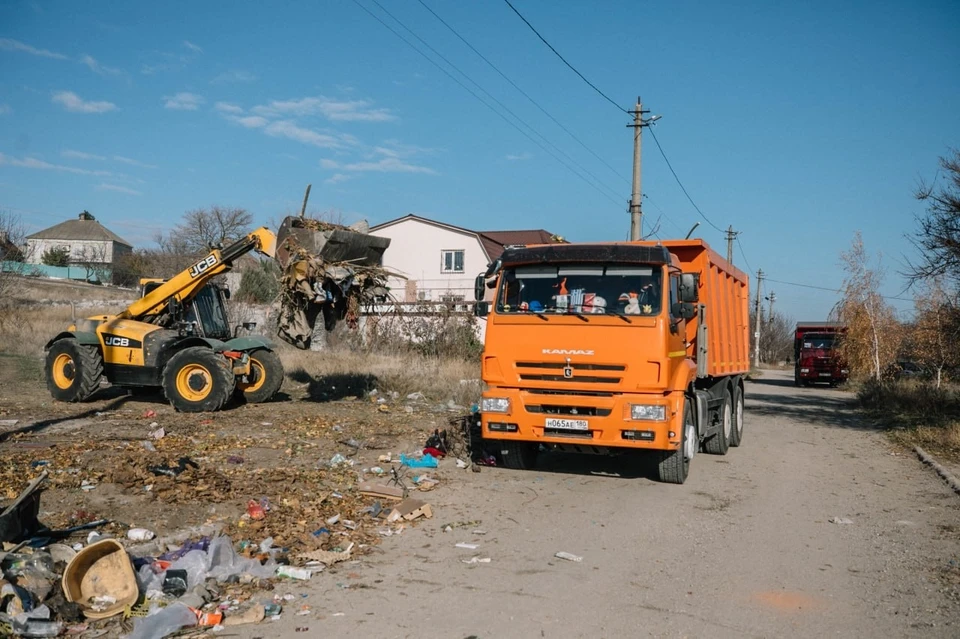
x,y
118,341
203,265
563,351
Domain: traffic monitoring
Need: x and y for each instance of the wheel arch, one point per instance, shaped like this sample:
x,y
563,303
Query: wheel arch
x,y
83,337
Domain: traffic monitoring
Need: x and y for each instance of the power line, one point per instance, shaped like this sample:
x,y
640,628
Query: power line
x,y
524,93
481,100
744,255
682,188
833,290
557,53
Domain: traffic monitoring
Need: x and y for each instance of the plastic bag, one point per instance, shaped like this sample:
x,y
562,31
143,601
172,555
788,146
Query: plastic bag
x,y
197,565
427,461
164,622
224,562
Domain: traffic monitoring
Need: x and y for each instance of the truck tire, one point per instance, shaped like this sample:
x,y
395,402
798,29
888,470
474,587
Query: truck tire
x,y
518,455
796,378
73,370
266,376
198,380
674,465
719,443
736,433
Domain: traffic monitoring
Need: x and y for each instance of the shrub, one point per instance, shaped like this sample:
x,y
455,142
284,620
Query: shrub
x,y
56,256
260,285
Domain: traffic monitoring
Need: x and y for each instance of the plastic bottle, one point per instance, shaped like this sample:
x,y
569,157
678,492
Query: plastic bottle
x,y
295,573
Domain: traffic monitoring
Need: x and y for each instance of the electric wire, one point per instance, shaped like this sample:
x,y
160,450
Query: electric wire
x,y
487,104
557,53
743,254
682,187
524,93
833,290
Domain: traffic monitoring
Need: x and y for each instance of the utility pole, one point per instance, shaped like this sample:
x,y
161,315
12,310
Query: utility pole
x,y
756,334
772,297
636,216
731,236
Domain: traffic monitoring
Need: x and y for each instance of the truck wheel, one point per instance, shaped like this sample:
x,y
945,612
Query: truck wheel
x,y
719,444
197,380
264,380
796,378
736,433
518,455
73,370
674,465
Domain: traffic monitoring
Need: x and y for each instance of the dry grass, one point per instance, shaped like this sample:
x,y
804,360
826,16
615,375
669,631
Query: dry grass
x,y
34,289
918,413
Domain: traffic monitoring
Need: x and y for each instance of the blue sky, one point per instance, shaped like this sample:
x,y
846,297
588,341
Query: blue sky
x,y
798,124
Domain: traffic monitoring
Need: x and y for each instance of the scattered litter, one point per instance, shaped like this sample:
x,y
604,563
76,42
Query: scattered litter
x,y
149,446
427,461
568,556
840,520
461,463
272,610
467,546
302,574
381,490
160,433
149,414
339,460
87,485
327,557
410,509
9,422
304,610
175,582
255,510
140,534
476,560
266,423
352,443
172,471
254,614
479,532
332,520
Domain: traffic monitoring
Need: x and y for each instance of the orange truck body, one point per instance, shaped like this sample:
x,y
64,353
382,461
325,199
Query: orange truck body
x,y
603,380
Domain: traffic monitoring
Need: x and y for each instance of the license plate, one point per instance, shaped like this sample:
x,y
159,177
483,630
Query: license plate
x,y
825,374
567,424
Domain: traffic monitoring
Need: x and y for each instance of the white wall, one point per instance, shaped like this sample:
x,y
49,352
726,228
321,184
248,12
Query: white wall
x,y
80,250
415,251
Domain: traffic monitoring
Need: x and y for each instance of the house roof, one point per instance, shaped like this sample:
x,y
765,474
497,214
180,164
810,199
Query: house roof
x,y
80,229
493,242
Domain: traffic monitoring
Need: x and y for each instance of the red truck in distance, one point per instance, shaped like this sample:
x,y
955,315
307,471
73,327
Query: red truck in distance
x,y
816,357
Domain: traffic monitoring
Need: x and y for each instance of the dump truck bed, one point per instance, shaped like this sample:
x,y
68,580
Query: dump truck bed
x,y
725,291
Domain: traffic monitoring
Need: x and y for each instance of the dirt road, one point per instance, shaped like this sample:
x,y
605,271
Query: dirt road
x,y
745,548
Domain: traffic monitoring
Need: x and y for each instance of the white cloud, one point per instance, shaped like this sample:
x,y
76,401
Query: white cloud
x,y
118,189
183,101
234,77
226,107
132,162
334,110
513,157
34,163
193,47
5,109
72,102
337,178
288,129
96,67
249,121
384,165
7,44
80,155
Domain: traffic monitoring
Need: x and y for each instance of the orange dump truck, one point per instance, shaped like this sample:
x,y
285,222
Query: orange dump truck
x,y
613,347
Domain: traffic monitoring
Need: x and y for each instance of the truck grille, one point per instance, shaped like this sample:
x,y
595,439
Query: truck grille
x,y
575,411
575,365
583,379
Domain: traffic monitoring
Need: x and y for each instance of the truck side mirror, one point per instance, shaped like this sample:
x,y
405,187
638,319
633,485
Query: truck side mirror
x,y
479,287
481,309
684,310
689,287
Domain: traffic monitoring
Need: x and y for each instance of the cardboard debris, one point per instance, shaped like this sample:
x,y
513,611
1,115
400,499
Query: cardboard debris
x,y
327,557
410,509
371,489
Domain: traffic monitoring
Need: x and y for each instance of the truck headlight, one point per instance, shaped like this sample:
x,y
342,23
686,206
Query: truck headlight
x,y
495,405
648,412
804,370
844,371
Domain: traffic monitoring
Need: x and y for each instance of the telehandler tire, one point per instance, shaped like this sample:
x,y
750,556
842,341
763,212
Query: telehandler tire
x,y
198,380
736,433
73,370
674,465
719,443
265,379
518,455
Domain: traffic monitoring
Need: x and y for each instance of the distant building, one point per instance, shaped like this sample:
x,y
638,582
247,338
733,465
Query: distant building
x,y
440,261
87,241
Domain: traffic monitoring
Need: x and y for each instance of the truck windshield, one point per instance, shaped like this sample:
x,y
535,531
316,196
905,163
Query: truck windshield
x,y
207,309
625,289
818,341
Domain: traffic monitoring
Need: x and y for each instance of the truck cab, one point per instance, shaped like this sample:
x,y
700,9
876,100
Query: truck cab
x,y
816,354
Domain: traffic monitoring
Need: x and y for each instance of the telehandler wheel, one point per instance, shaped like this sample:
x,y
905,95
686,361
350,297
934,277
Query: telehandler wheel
x,y
197,380
264,380
719,444
674,465
518,455
73,370
736,434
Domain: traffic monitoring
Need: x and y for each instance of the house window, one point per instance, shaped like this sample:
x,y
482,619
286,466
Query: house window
x,y
452,262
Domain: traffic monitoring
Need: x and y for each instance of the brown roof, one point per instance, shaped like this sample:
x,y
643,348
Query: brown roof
x,y
79,230
493,242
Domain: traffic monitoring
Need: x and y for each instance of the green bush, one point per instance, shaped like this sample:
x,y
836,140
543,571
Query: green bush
x,y
260,285
56,256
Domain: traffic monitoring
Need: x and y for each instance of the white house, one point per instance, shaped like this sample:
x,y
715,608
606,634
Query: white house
x,y
441,261
87,240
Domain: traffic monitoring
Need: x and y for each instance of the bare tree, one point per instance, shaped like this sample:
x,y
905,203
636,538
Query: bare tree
x,y
93,259
873,333
12,252
202,228
938,231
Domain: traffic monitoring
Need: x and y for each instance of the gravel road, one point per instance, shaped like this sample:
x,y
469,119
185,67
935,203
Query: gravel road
x,y
747,547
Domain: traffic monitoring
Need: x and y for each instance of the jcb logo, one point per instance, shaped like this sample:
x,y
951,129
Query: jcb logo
x,y
203,266
117,341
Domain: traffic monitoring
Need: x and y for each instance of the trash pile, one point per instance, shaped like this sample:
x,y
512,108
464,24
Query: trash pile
x,y
328,270
105,577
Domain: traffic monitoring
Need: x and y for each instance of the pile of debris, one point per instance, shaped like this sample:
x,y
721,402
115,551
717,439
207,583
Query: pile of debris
x,y
328,270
